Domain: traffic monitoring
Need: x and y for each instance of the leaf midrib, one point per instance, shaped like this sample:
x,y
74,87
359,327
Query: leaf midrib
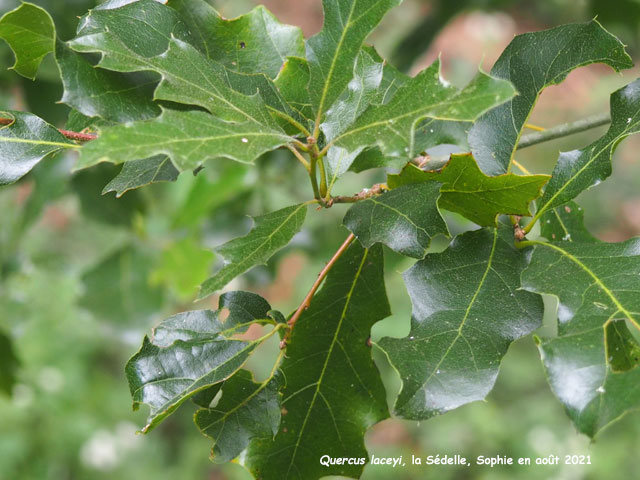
x,y
467,311
334,340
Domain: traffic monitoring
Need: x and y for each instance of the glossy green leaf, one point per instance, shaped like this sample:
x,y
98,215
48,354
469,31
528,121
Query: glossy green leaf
x,y
565,223
469,192
467,309
192,351
118,290
392,126
360,92
246,410
293,84
252,43
333,391
25,142
533,61
138,173
578,170
404,219
187,76
332,52
188,138
269,234
96,92
30,33
8,364
592,363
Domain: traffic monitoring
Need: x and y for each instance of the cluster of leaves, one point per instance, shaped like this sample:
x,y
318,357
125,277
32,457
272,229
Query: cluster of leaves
x,y
167,88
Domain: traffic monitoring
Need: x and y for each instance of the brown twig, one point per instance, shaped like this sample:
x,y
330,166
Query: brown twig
x,y
77,136
376,189
321,276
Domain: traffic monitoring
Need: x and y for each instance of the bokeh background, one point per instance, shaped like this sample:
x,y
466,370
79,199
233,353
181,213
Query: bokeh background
x,y
84,276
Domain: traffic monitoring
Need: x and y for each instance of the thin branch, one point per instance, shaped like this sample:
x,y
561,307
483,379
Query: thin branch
x,y
321,276
565,130
376,189
77,136
302,160
291,120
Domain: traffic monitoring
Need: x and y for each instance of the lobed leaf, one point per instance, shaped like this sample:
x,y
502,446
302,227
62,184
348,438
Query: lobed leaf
x,y
404,219
188,138
332,52
247,410
252,43
469,192
138,173
30,33
192,351
532,62
25,142
270,233
565,223
333,391
392,126
592,364
467,309
579,170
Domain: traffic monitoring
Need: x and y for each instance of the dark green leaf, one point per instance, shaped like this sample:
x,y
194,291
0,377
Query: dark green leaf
x,y
96,92
188,138
332,52
533,61
580,169
404,219
117,289
333,390
252,43
565,223
392,126
270,233
469,192
467,309
138,173
187,76
30,33
192,351
25,142
598,290
246,410
293,83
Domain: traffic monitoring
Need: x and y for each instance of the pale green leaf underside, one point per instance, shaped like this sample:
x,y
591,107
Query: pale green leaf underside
x,y
392,126
270,233
188,138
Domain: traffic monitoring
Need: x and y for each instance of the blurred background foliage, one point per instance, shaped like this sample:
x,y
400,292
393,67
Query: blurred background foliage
x,y
83,276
